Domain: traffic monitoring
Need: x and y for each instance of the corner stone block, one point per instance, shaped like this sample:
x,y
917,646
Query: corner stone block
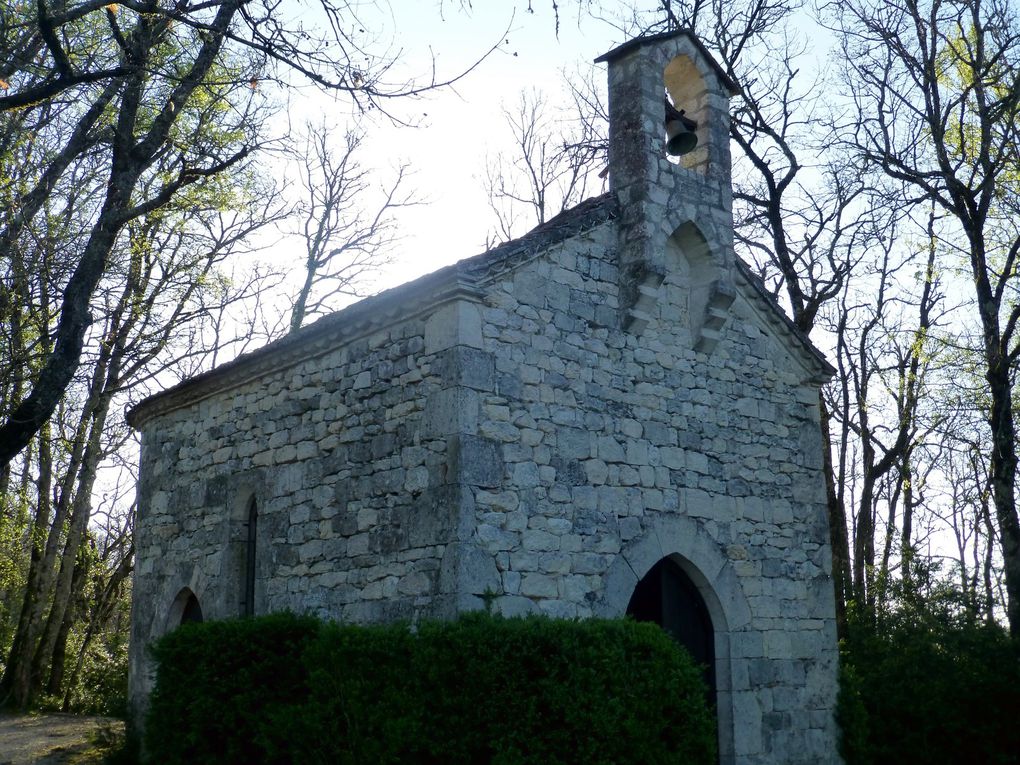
x,y
433,518
458,322
449,411
466,366
467,569
475,461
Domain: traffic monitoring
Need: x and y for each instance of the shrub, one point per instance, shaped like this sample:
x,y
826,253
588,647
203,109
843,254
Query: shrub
x,y
478,690
926,686
223,688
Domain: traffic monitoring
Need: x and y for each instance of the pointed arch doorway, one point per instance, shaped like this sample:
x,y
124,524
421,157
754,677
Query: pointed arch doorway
x,y
667,596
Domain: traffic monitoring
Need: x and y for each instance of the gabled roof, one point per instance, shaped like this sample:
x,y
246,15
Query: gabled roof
x,y
638,42
463,278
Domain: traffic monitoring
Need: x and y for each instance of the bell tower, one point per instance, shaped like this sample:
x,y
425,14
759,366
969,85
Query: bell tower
x,y
665,91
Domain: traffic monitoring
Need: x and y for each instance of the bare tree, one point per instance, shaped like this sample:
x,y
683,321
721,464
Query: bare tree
x,y
346,237
550,167
884,328
135,84
936,86
154,290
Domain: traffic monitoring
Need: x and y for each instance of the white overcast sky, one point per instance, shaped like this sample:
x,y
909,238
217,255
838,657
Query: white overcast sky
x,y
459,125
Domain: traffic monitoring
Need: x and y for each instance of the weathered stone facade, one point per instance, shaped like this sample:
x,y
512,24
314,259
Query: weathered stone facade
x,y
537,426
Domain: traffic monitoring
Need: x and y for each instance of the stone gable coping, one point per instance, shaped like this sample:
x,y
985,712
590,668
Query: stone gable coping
x,y
782,322
637,42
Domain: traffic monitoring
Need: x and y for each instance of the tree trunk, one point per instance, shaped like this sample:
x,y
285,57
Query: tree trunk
x,y
841,580
82,510
99,616
1003,481
56,676
16,685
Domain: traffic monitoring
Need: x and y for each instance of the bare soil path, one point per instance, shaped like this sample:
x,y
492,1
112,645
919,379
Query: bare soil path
x,y
56,739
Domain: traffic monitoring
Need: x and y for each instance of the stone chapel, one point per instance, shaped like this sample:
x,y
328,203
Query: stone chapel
x,y
609,415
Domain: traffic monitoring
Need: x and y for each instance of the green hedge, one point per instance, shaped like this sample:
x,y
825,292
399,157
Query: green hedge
x,y
282,689
929,688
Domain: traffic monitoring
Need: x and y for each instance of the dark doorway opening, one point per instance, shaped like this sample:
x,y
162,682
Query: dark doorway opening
x,y
668,597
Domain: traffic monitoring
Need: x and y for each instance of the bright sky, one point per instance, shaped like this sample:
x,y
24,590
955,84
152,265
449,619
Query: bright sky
x,y
460,125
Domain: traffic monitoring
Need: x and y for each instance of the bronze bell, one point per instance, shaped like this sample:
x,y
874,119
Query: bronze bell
x,y
680,137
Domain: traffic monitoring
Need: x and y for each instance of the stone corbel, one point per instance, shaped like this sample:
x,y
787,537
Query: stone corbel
x,y
717,313
639,295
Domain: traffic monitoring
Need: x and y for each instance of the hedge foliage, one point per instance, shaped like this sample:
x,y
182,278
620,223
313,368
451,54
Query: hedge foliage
x,y
923,684
482,689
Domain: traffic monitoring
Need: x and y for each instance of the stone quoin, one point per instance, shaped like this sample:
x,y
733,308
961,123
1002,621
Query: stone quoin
x,y
608,415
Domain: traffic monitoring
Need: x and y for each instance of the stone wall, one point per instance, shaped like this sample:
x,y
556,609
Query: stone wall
x,y
345,454
621,449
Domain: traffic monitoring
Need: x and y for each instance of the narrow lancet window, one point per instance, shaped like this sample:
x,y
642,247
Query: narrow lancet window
x,y
248,599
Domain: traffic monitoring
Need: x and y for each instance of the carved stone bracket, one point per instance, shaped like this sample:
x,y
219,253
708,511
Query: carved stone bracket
x,y
717,313
639,295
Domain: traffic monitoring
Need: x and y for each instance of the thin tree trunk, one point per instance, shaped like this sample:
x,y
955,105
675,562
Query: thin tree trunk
x,y
841,579
15,685
907,532
98,618
56,676
81,512
1003,480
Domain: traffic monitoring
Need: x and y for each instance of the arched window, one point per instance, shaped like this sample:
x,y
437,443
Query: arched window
x,y
185,608
668,597
192,610
251,535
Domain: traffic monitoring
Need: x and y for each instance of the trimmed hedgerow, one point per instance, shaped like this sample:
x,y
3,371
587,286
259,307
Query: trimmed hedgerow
x,y
225,688
481,689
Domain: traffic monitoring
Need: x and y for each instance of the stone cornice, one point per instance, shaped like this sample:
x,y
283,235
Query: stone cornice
x,y
326,334
637,42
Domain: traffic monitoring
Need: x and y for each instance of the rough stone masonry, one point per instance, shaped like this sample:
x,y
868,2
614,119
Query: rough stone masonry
x,y
544,426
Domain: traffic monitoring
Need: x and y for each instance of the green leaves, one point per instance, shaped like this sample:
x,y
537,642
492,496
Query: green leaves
x,y
481,689
923,683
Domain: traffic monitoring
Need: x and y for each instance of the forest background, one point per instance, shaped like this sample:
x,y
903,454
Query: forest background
x,y
168,205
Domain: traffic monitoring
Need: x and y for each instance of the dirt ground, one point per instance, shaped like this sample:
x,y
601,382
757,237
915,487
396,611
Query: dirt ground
x,y
56,739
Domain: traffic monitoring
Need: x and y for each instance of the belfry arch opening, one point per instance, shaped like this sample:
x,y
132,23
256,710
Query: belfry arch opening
x,y
667,596
685,87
